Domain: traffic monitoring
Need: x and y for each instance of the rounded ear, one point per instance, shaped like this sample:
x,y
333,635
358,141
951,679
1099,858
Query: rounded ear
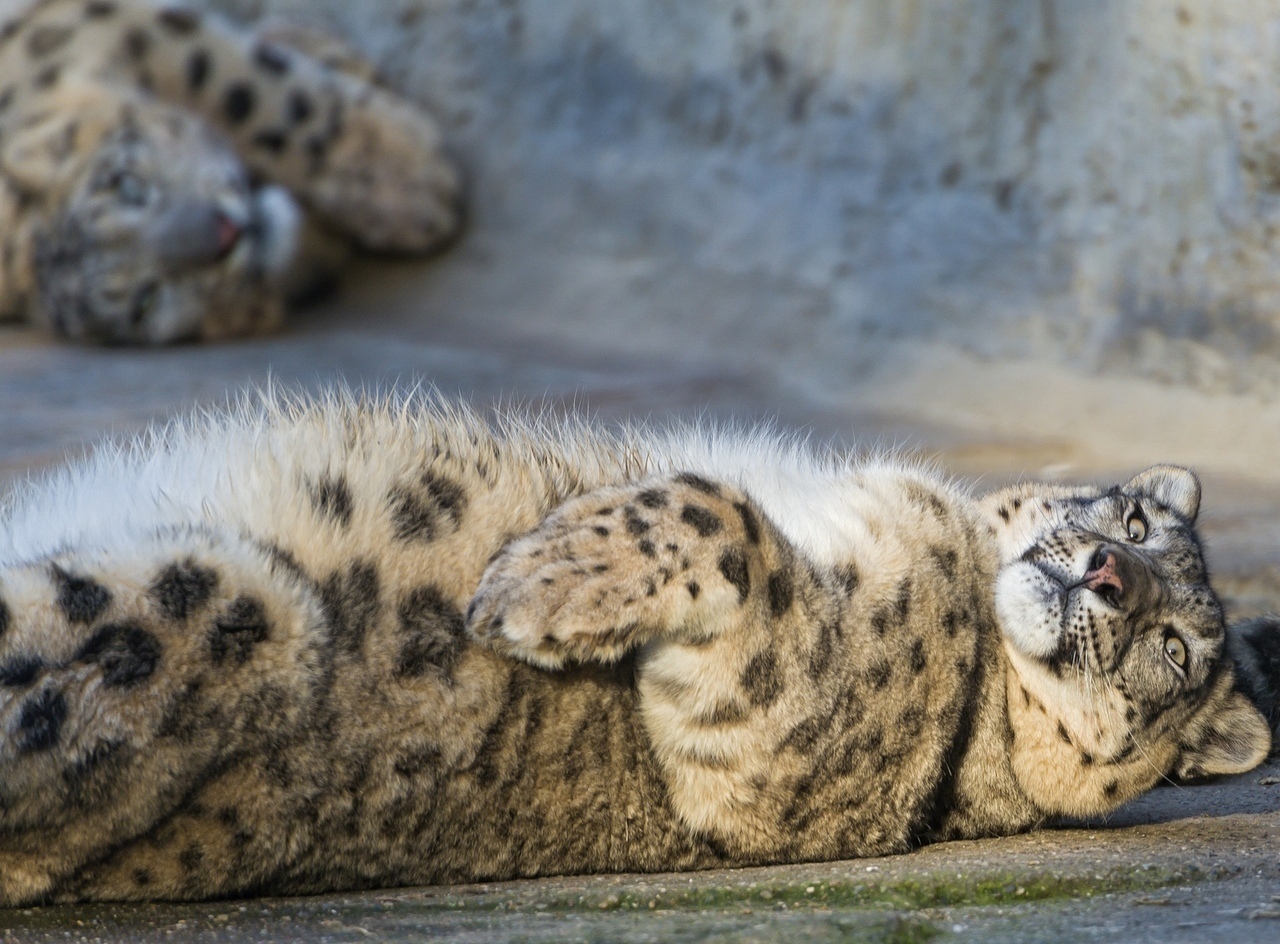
x,y
1231,736
49,145
1170,485
41,152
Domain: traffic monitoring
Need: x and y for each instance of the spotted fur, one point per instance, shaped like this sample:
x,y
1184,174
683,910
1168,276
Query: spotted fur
x,y
165,175
310,646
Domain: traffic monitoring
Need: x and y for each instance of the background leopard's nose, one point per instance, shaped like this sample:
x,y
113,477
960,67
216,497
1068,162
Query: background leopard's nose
x,y
194,234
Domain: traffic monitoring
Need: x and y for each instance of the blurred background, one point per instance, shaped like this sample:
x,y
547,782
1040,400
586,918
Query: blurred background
x,y
1027,237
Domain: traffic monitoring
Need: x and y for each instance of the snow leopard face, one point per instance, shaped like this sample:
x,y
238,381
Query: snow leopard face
x,y
1112,583
160,237
1113,633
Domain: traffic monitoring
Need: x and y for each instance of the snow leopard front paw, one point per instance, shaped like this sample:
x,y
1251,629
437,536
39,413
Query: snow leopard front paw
x,y
619,567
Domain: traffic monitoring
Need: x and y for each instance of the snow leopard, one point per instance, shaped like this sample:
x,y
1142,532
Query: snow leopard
x,y
310,644
166,175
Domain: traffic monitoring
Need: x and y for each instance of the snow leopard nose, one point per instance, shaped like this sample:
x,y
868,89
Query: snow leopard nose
x,y
1117,576
194,234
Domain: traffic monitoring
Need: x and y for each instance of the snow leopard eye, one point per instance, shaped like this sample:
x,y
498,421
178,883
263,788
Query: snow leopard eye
x,y
1175,650
1136,526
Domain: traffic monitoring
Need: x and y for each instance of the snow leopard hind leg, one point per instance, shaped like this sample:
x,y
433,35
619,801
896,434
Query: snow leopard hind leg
x,y
144,695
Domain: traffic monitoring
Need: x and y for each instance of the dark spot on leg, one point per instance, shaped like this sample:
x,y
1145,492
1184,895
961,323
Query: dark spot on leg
x,y
191,858
733,565
806,735
20,672
781,592
270,140
647,549
317,147
183,588
894,615
1062,733
761,679
238,630
1111,789
47,78
432,634
40,722
421,511
179,21
918,658
879,674
693,589
331,498
92,778
125,652
46,39
141,878
300,109
351,601
199,64
697,481
80,599
238,102
636,525
725,712
945,559
271,59
418,761
1086,759
750,523
601,530
652,498
137,43
702,520
950,623
99,9
820,657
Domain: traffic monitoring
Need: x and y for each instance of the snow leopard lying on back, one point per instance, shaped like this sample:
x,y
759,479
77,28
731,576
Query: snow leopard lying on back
x,y
309,646
166,176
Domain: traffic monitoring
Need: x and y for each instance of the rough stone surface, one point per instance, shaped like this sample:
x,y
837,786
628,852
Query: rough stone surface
x,y
1096,183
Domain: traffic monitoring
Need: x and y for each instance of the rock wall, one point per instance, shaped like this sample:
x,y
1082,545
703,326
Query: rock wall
x,y
812,183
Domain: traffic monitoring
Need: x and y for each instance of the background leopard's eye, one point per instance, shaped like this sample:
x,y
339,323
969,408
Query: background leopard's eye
x,y
1176,650
132,189
1137,527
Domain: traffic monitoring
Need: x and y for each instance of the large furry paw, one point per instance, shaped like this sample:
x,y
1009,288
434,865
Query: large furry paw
x,y
388,182
617,568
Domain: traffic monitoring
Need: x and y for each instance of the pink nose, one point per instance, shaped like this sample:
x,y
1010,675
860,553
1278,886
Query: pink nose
x,y
228,235
1102,574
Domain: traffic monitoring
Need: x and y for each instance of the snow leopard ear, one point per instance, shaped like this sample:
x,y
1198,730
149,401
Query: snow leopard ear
x,y
1229,736
1170,485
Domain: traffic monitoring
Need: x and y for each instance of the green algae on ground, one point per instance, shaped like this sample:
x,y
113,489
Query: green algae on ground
x,y
910,893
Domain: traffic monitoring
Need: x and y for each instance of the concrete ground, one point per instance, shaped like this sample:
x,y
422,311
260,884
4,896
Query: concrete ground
x,y
1185,863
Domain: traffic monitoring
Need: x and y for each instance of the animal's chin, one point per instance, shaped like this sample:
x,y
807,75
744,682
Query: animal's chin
x,y
274,231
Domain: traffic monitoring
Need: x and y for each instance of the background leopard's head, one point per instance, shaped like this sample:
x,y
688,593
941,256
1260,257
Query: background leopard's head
x,y
1115,642
150,230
